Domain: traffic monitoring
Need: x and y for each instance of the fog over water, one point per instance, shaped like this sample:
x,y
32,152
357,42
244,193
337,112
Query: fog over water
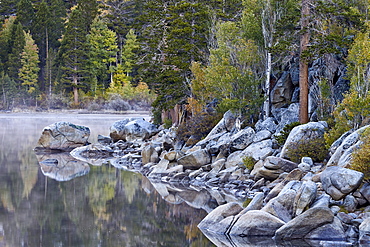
x,y
105,206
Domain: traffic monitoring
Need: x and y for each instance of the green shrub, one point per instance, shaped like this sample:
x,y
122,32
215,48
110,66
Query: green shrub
x,y
167,123
249,162
314,148
361,157
283,135
198,127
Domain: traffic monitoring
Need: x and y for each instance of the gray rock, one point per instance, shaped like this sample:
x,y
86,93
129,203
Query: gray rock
x,y
105,140
226,124
307,132
132,130
242,139
63,136
304,167
149,155
339,182
305,196
262,135
268,124
234,159
94,154
307,160
286,116
256,223
220,213
350,203
282,92
365,191
343,152
274,166
364,231
282,206
259,151
304,223
333,231
321,201
195,160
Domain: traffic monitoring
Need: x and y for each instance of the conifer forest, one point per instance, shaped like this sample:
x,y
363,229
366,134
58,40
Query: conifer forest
x,y
112,54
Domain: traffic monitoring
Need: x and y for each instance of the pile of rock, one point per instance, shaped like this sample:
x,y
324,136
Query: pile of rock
x,y
288,200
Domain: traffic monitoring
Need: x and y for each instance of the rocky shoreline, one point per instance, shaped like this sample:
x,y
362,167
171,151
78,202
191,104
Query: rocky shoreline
x,y
274,200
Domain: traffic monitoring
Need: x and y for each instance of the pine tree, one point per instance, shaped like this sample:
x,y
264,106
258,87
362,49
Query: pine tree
x,y
73,51
26,14
28,73
17,43
129,57
102,54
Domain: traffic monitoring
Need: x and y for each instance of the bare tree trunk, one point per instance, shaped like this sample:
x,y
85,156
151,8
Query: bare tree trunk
x,y
75,89
303,64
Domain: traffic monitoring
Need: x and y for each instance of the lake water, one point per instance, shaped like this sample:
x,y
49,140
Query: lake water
x,y
105,207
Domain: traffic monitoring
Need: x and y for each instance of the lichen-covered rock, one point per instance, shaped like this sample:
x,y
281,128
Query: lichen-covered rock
x,y
343,148
242,139
339,182
132,130
63,136
306,132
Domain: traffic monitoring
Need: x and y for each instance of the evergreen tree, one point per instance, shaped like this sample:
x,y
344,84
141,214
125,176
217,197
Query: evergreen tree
x,y
26,14
5,42
129,57
7,9
28,73
17,43
102,54
73,51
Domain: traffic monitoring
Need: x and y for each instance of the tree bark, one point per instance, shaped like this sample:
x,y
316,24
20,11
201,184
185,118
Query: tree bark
x,y
303,63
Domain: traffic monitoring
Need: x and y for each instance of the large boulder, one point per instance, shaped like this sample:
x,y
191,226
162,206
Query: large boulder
x,y
256,223
218,214
132,130
63,136
226,124
304,223
195,160
339,182
342,151
286,115
306,132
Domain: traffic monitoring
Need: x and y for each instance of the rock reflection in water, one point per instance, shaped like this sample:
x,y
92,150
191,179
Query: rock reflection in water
x,y
62,166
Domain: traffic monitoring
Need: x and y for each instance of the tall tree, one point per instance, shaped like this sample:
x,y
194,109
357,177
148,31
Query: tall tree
x,y
28,73
26,14
17,43
102,54
303,63
73,49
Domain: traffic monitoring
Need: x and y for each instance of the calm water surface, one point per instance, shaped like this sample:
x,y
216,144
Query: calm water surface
x,y
105,207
